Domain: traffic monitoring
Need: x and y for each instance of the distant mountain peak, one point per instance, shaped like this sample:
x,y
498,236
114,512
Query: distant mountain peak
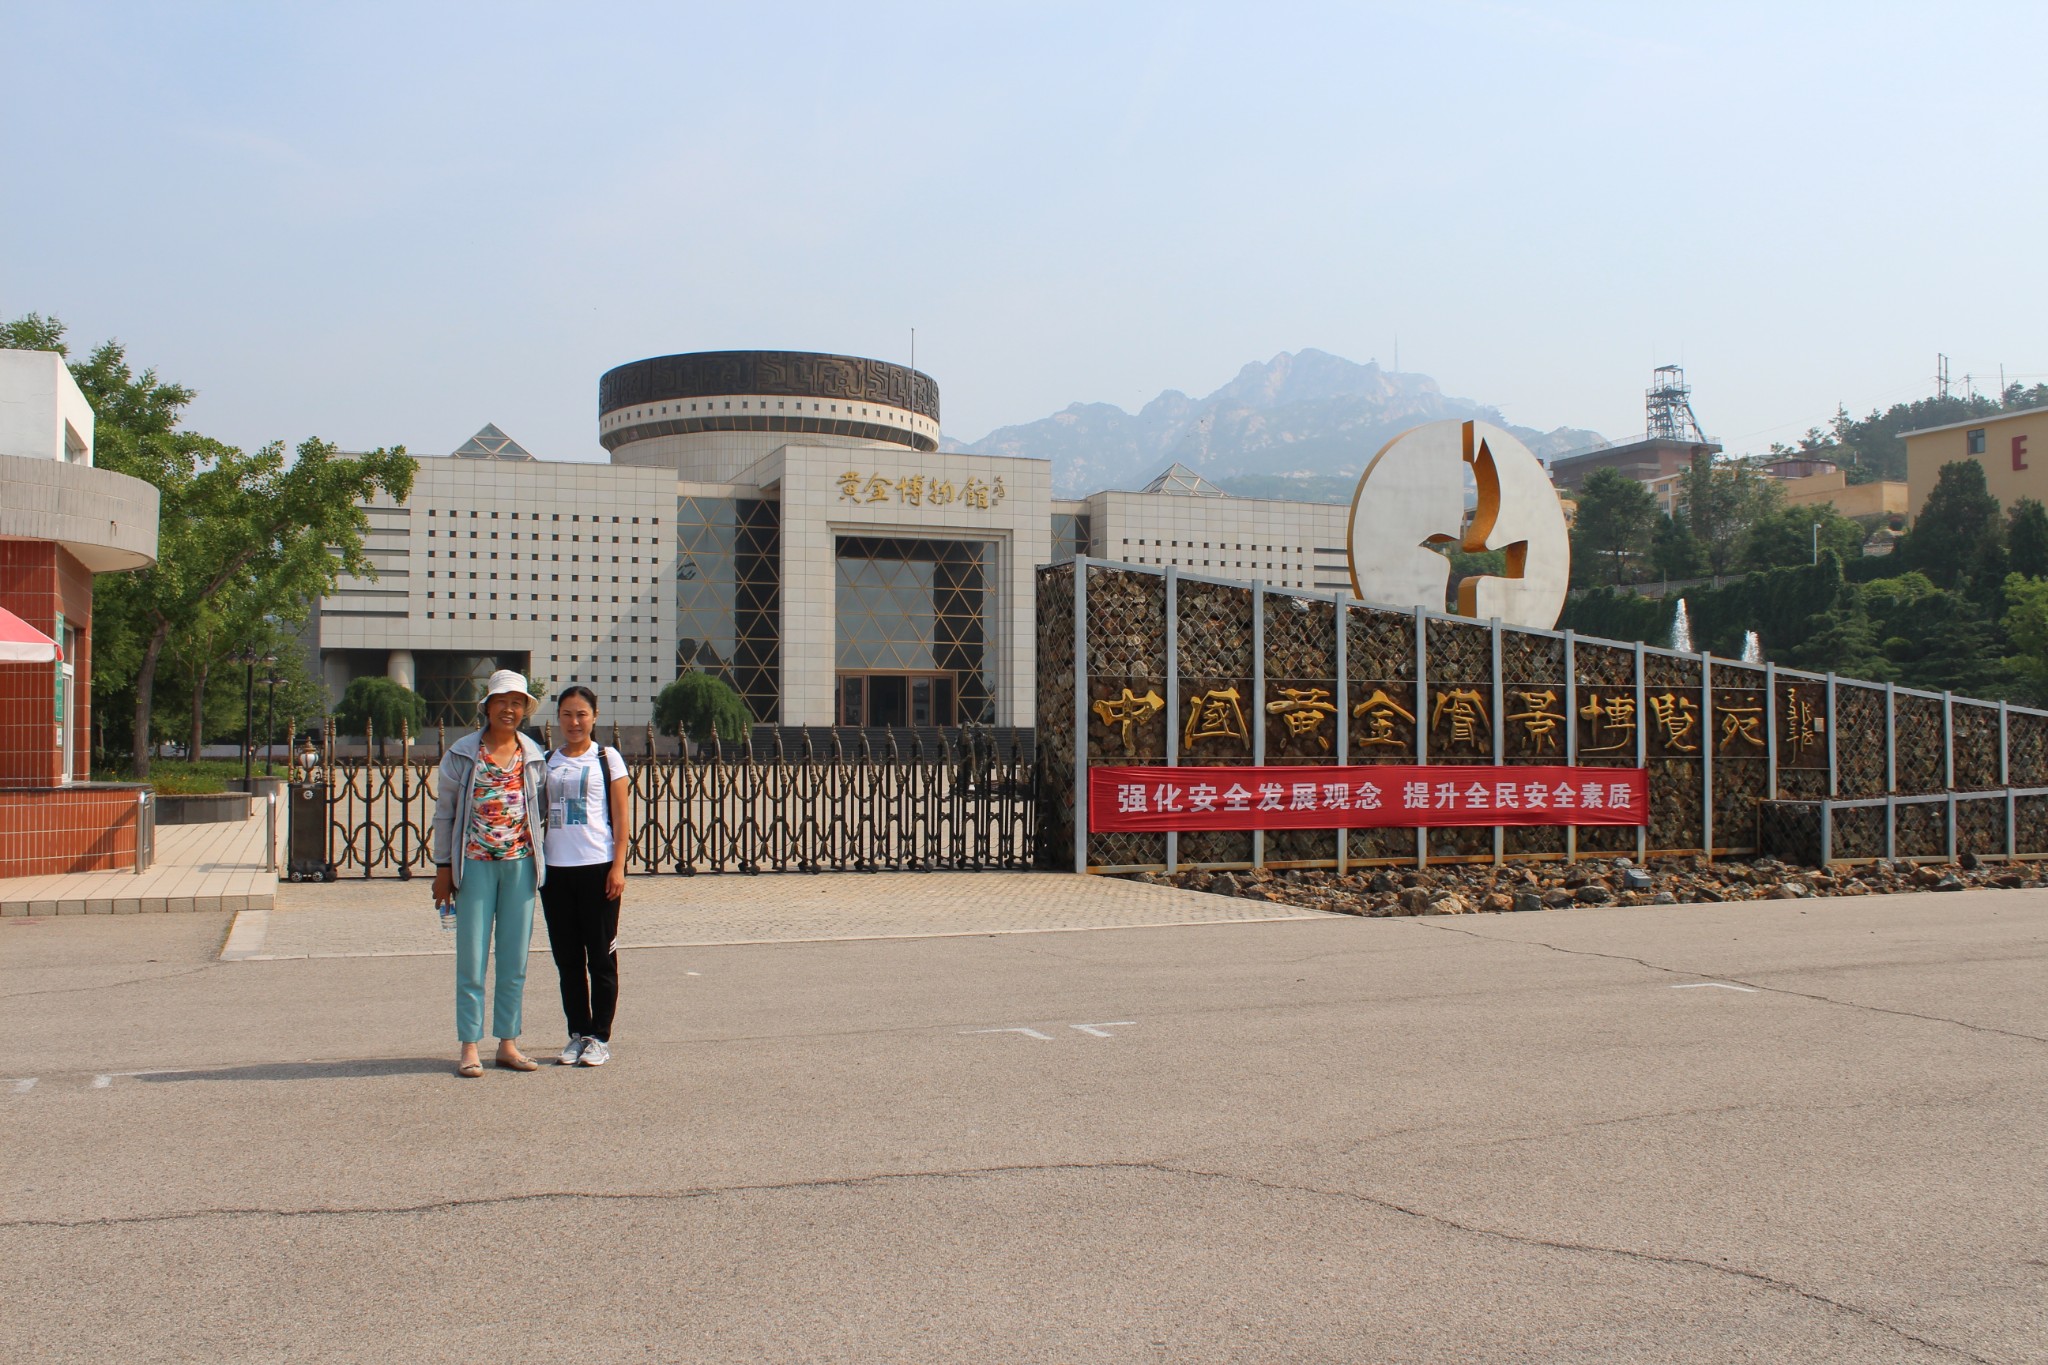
x,y
1314,415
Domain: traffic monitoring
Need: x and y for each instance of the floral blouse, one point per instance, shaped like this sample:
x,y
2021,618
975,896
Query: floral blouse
x,y
497,822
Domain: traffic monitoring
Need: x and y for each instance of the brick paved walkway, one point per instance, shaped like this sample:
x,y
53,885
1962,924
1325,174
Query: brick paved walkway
x,y
217,866
391,918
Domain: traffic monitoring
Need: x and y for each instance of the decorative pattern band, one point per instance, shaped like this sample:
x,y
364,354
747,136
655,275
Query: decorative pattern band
x,y
795,374
814,426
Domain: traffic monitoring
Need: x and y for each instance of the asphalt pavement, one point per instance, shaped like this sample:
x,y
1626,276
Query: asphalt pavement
x,y
1775,1131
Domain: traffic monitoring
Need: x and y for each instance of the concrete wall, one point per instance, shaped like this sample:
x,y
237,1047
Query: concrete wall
x,y
43,414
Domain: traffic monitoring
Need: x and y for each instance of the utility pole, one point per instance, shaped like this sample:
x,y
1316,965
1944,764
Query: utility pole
x,y
1941,377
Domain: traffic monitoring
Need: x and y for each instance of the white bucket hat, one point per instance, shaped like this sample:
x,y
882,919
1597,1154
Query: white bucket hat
x,y
506,680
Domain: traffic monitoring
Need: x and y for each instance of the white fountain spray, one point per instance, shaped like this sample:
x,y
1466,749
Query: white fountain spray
x,y
1681,628
1752,648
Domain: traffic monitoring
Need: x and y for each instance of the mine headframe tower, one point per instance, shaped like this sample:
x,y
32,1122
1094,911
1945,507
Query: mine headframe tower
x,y
1668,407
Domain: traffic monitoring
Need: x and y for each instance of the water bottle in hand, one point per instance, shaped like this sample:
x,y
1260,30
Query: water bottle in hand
x,y
447,909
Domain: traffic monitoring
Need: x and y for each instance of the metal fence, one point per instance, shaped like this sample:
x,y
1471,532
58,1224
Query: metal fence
x,y
1144,664
959,801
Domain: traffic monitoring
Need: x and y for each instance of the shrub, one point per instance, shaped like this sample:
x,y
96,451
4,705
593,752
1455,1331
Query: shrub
x,y
380,702
703,704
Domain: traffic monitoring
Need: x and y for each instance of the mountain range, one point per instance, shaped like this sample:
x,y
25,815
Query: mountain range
x,y
1301,425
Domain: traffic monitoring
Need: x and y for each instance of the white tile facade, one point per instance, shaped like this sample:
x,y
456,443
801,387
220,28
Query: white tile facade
x,y
1286,544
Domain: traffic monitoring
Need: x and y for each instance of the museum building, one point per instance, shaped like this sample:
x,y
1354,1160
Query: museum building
x,y
784,519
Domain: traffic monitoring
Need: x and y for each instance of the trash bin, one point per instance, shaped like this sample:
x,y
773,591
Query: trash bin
x,y
308,862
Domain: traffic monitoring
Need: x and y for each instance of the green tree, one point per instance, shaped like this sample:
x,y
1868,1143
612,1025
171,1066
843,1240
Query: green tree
x,y
234,528
2026,538
1614,529
382,703
1721,502
1788,537
703,704
1673,551
1958,520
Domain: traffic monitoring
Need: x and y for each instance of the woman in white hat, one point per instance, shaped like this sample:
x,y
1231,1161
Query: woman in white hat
x,y
490,832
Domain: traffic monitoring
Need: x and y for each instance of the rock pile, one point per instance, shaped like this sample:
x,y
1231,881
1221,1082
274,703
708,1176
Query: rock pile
x,y
1457,889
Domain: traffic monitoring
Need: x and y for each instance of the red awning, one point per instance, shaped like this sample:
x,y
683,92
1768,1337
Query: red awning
x,y
22,643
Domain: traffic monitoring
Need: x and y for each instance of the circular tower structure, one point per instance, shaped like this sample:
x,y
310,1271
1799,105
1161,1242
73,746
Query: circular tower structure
x,y
709,415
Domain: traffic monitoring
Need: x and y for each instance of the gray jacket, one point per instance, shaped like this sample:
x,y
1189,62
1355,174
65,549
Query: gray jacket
x,y
452,803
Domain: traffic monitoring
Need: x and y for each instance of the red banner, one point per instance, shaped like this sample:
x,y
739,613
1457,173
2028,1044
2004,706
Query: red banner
x,y
1364,797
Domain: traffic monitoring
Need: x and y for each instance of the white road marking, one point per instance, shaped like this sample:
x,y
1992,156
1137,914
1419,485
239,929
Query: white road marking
x,y
1027,1032
23,1086
102,1082
693,973
1096,1030
1718,985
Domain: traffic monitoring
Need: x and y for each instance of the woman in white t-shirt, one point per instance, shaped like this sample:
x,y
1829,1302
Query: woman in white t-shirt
x,y
588,805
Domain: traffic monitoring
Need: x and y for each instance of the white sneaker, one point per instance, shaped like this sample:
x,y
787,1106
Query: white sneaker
x,y
570,1054
596,1052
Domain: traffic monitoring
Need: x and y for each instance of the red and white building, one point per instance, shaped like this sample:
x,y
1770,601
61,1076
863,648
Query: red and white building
x,y
61,522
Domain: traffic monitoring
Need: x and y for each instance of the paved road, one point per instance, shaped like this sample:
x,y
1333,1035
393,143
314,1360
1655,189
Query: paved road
x,y
1555,1137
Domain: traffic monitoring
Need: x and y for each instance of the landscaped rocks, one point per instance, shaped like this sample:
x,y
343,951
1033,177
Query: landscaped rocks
x,y
1465,888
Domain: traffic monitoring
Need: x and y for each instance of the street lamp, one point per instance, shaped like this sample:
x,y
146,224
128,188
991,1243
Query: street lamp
x,y
247,658
270,681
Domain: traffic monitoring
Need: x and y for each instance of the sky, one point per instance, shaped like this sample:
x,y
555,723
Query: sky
x,y
390,224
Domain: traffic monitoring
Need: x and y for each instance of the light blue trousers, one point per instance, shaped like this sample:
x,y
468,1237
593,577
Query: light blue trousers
x,y
494,901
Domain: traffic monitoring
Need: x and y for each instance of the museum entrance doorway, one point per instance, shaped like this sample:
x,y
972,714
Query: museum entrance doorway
x,y
876,700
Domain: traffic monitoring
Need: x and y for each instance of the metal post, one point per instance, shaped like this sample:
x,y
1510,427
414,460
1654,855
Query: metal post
x,y
1707,754
270,832
1500,735
1827,833
1421,719
1891,826
1338,614
1891,741
1834,782
1642,756
1571,730
1172,697
1257,719
1948,746
1951,826
2005,781
1080,713
1771,731
248,726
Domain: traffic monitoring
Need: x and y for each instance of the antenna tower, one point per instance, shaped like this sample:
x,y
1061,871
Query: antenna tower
x,y
1668,406
1941,377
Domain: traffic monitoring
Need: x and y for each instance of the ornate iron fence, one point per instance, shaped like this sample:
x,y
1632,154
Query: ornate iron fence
x,y
941,802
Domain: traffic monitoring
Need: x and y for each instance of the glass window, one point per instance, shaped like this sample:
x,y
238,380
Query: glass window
x,y
1976,439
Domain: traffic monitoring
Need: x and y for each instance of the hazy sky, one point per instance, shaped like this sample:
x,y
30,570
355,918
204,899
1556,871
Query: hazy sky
x,y
393,223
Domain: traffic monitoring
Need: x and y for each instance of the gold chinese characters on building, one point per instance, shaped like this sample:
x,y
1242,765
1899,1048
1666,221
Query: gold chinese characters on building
x,y
1380,722
1215,717
1129,712
1739,724
922,490
1458,722
1802,731
1607,722
1302,713
1675,722
1539,723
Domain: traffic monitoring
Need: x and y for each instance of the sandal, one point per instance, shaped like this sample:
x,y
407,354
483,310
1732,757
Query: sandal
x,y
469,1070
516,1064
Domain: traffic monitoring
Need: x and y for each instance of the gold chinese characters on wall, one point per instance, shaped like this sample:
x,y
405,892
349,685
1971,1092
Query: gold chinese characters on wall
x,y
1128,714
922,490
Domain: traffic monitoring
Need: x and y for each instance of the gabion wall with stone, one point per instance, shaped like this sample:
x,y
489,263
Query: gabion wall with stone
x,y
1153,665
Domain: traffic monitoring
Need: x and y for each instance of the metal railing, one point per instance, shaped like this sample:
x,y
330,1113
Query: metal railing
x,y
964,803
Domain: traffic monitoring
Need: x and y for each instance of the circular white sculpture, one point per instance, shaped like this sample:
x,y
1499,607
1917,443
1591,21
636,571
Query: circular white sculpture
x,y
1412,496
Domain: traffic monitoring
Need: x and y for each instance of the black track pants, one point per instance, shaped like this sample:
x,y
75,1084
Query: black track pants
x,y
583,932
